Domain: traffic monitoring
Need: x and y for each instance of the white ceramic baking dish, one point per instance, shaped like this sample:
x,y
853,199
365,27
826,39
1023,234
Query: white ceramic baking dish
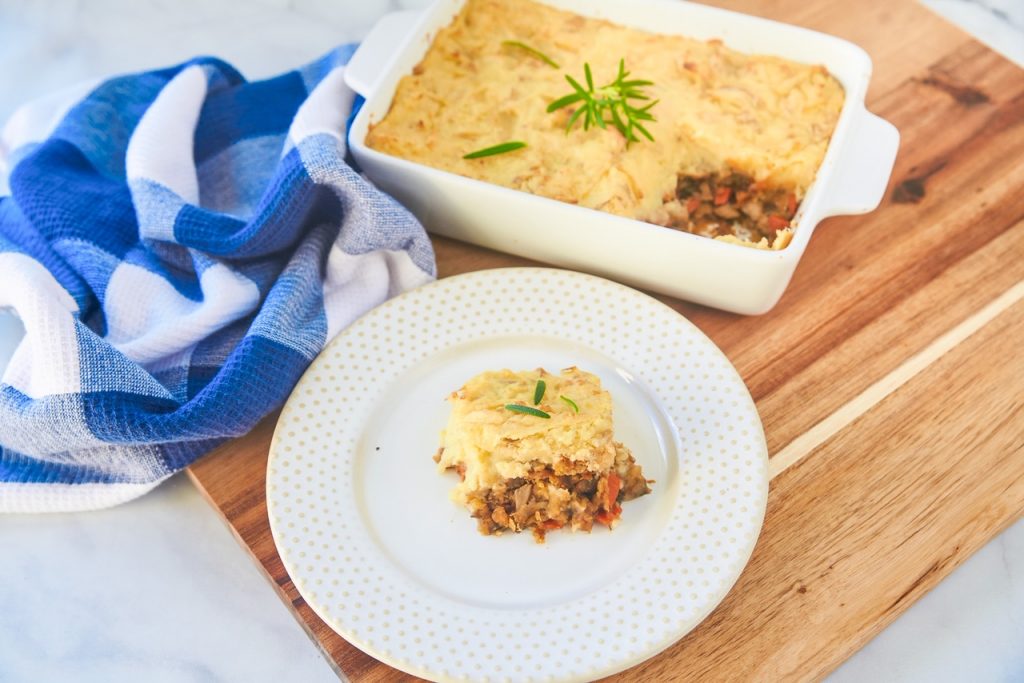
x,y
851,180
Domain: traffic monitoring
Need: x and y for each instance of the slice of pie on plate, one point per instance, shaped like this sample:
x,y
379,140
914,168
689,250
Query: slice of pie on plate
x,y
536,451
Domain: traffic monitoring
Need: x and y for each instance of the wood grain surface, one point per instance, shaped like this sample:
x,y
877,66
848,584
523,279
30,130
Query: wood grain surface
x,y
890,378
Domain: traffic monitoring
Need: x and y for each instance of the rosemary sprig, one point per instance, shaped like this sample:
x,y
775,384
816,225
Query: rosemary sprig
x,y
571,403
516,408
532,51
538,392
609,104
496,149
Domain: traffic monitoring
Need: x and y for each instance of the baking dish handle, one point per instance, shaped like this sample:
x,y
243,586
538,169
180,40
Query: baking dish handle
x,y
861,178
382,45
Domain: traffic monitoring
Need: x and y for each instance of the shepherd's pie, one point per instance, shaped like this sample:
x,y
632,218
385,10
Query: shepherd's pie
x,y
536,451
737,141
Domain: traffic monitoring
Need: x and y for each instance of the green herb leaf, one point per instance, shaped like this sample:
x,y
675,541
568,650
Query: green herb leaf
x,y
609,104
516,408
533,51
619,123
571,98
571,403
496,149
576,86
538,393
636,124
572,119
635,84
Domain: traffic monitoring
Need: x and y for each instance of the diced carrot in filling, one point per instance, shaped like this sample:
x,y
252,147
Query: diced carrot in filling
x,y
614,484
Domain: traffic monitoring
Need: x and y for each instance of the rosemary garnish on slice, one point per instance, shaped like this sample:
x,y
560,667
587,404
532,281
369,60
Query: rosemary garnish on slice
x,y
538,392
496,149
533,51
571,403
609,104
516,408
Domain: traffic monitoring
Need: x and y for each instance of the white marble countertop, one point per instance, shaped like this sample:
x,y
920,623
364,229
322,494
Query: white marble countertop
x,y
158,589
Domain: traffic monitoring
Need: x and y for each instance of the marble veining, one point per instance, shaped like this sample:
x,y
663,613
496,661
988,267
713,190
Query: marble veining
x,y
157,589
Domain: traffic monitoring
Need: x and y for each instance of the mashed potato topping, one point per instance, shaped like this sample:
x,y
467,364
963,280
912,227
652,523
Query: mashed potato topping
x,y
737,141
495,444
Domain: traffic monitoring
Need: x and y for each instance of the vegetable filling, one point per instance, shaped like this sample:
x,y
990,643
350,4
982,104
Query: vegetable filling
x,y
718,205
564,495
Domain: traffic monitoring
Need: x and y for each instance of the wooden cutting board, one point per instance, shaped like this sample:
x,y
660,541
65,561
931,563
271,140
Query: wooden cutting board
x,y
890,378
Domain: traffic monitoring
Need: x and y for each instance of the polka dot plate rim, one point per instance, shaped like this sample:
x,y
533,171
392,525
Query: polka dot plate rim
x,y
364,526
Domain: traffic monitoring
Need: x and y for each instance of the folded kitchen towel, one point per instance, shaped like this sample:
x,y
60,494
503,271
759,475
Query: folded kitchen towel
x,y
178,245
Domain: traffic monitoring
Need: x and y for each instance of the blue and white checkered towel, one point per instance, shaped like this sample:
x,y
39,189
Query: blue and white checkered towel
x,y
179,245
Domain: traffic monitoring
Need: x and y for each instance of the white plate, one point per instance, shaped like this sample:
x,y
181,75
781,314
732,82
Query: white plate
x,y
364,525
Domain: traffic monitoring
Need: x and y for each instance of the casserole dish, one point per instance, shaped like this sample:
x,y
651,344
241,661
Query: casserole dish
x,y
851,179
